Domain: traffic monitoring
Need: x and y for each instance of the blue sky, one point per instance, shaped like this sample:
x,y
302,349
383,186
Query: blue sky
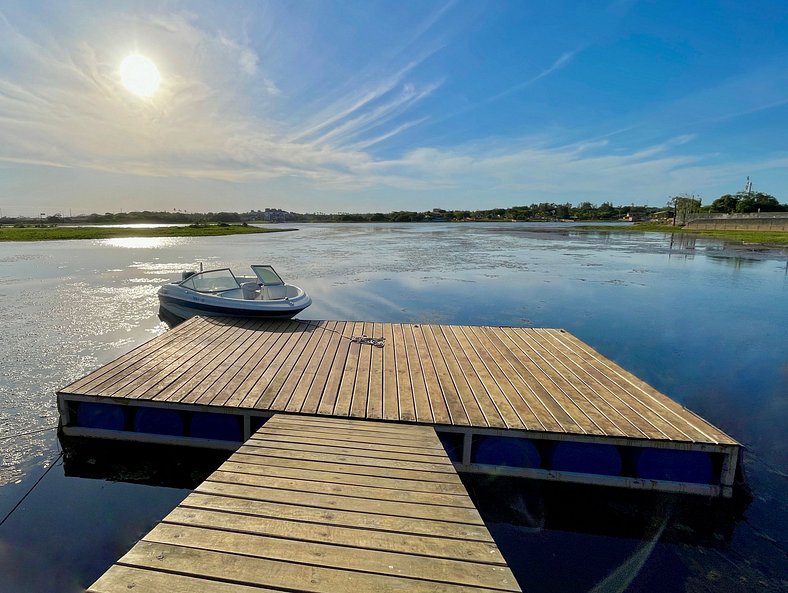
x,y
379,106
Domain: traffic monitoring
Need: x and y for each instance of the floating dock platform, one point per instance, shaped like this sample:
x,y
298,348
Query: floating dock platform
x,y
321,505
535,403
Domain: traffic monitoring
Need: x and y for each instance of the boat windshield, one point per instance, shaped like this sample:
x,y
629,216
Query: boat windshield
x,y
267,276
211,281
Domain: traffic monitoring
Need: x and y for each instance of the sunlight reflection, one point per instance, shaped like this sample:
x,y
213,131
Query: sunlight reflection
x,y
141,242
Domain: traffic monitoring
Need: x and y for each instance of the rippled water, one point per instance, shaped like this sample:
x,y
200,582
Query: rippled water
x,y
700,321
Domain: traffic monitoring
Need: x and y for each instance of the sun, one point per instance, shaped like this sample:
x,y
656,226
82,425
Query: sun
x,y
139,75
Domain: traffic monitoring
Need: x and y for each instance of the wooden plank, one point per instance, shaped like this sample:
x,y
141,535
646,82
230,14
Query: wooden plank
x,y
437,404
370,539
375,397
650,396
188,387
284,383
336,440
499,384
248,391
348,380
163,356
567,362
460,398
346,503
420,396
404,388
267,442
145,580
324,474
358,405
318,516
350,456
527,385
283,459
351,435
221,392
283,574
317,389
537,361
316,554
295,389
330,394
461,367
177,366
389,362
305,484
393,430
263,392
144,350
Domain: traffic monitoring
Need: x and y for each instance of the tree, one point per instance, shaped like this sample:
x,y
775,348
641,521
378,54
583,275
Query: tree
x,y
757,202
684,204
725,204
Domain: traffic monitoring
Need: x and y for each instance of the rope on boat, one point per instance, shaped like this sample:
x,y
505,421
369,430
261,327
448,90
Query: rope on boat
x,y
377,342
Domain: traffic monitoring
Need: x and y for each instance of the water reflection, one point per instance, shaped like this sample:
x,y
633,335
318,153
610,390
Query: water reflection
x,y
139,463
139,242
736,263
682,245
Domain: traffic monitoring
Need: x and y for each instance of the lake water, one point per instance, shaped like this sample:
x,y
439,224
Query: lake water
x,y
702,322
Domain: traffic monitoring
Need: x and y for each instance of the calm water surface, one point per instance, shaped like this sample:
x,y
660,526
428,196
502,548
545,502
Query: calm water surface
x,y
703,323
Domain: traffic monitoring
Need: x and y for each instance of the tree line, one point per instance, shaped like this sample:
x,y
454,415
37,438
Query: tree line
x,y
742,202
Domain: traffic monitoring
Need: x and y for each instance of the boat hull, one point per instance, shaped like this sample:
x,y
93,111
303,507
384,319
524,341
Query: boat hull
x,y
186,306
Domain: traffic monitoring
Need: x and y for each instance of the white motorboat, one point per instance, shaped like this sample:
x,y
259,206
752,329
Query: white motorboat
x,y
219,293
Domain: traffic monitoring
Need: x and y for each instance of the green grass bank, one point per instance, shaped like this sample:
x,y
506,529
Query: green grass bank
x,y
754,237
56,233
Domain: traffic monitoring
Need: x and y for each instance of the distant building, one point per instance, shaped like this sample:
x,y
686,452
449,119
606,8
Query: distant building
x,y
276,215
635,216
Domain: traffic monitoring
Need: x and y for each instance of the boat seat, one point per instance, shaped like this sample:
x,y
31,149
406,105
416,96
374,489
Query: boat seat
x,y
274,292
251,291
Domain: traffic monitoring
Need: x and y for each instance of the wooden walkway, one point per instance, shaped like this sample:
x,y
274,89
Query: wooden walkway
x,y
473,384
543,380
321,505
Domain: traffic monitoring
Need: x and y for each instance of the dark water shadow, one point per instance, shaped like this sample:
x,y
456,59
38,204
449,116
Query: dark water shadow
x,y
606,511
139,463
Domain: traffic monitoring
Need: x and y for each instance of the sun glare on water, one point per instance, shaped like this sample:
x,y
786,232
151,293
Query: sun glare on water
x,y
139,75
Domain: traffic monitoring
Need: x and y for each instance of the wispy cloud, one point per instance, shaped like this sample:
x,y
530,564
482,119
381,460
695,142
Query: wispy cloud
x,y
223,115
561,62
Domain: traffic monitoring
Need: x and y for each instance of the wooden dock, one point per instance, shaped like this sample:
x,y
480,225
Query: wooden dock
x,y
321,505
540,393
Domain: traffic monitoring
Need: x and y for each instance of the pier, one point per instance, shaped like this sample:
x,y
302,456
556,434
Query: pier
x,y
321,505
536,403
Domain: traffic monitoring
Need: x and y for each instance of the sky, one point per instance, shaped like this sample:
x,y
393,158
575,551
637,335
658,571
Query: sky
x,y
367,106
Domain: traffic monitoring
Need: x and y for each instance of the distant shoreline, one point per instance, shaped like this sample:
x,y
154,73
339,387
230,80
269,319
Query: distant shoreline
x,y
59,233
765,238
